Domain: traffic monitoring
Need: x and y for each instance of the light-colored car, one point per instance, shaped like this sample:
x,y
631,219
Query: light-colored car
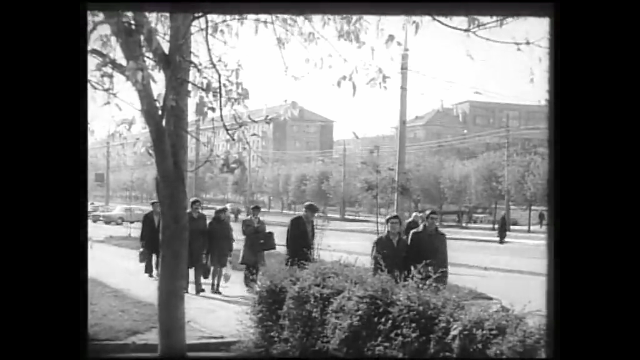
x,y
120,215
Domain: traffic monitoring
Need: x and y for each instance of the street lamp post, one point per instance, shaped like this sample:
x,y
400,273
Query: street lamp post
x,y
377,149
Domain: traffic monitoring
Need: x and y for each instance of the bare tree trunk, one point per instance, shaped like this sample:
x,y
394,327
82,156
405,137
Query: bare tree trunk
x,y
171,315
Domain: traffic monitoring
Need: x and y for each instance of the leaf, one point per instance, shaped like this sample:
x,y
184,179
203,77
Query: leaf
x,y
416,24
353,83
341,79
389,41
398,43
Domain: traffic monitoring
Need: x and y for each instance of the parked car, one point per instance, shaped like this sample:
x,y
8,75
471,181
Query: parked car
x,y
120,215
95,216
93,208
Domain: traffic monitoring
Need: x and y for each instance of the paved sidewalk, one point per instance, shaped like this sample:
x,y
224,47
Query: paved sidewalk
x,y
119,268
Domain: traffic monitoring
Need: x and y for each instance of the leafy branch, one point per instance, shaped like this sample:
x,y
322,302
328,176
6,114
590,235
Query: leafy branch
x,y
475,26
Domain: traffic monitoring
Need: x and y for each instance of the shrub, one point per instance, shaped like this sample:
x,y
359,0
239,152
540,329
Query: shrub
x,y
342,310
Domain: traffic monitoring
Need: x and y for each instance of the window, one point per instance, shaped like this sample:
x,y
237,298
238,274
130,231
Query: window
x,y
482,120
295,128
514,118
297,144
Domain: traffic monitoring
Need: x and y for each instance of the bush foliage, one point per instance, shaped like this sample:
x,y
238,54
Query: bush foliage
x,y
337,309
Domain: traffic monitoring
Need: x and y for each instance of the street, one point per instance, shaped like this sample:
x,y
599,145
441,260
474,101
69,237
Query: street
x,y
511,257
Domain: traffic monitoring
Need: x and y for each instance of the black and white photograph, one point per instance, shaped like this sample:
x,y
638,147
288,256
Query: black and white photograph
x,y
323,184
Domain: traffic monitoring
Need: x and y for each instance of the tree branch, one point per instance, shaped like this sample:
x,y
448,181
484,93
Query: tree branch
x,y
206,39
327,40
488,25
151,40
286,68
119,68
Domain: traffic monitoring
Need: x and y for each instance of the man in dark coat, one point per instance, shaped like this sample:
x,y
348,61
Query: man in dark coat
x,y
301,236
541,218
197,244
412,224
220,245
502,228
390,250
254,229
150,237
428,250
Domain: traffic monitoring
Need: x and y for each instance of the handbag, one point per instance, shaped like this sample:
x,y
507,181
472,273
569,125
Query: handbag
x,y
226,275
268,242
142,256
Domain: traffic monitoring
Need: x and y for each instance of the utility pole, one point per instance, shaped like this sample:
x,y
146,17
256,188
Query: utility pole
x,y
402,126
343,207
377,148
107,181
507,199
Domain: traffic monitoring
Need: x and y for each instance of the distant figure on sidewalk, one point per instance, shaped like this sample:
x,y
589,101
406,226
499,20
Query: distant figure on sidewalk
x,y
252,257
541,218
413,223
390,250
428,250
219,247
150,237
300,237
197,244
502,229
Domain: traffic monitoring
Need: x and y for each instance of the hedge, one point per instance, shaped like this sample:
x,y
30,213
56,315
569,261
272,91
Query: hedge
x,y
337,309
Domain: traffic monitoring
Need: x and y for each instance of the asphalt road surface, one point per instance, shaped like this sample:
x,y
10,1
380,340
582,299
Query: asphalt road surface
x,y
517,290
514,257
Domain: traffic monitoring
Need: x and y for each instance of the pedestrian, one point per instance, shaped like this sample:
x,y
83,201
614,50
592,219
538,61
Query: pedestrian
x,y
413,223
502,229
428,250
197,244
150,238
219,247
301,236
541,218
390,250
254,229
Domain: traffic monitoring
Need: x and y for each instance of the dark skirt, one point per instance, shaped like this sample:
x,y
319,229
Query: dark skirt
x,y
219,260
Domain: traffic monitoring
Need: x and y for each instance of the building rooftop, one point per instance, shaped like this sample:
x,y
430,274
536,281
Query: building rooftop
x,y
499,103
434,117
288,111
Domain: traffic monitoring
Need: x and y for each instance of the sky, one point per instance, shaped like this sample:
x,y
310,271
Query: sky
x,y
445,66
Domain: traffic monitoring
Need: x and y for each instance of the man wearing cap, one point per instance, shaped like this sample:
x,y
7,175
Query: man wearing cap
x,y
252,257
197,244
390,250
300,237
150,237
428,250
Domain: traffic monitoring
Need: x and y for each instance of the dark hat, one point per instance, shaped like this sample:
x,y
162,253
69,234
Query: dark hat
x,y
193,201
311,207
221,210
393,216
256,207
154,202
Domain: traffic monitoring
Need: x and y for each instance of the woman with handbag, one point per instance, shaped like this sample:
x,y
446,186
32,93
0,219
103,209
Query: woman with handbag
x,y
252,257
220,245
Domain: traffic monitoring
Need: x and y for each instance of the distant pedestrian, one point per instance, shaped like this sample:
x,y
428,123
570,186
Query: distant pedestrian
x,y
150,237
197,244
427,251
413,223
219,247
502,228
541,218
300,237
254,229
390,250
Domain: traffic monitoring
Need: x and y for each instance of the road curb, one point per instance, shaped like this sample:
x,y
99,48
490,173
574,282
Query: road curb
x,y
118,347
